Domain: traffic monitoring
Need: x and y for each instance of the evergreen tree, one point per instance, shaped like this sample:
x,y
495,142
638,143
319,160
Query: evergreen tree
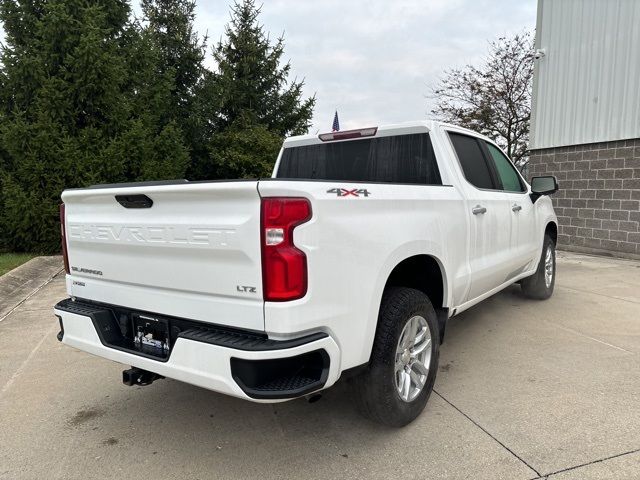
x,y
71,112
245,150
256,105
180,56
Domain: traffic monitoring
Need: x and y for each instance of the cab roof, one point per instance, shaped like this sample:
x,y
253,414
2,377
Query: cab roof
x,y
406,128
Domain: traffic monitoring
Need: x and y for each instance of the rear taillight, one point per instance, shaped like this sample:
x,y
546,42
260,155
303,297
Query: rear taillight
x,y
63,236
284,267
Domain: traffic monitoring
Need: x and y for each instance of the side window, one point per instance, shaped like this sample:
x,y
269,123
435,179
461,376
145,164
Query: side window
x,y
506,171
472,160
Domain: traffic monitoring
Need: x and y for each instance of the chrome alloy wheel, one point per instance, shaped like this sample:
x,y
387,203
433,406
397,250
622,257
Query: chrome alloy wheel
x,y
548,267
413,357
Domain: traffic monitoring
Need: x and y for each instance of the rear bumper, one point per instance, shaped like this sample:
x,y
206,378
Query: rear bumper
x,y
260,370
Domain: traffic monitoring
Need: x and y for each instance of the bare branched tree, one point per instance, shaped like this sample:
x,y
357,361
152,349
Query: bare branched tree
x,y
493,98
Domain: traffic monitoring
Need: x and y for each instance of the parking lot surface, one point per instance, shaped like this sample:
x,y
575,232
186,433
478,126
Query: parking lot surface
x,y
526,389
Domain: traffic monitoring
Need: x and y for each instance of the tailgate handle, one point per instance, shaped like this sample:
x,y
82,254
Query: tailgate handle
x,y
134,201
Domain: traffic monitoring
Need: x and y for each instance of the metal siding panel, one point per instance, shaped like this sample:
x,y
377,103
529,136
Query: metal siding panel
x,y
587,86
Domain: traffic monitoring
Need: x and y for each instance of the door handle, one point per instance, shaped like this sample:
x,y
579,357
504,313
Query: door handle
x,y
478,209
516,207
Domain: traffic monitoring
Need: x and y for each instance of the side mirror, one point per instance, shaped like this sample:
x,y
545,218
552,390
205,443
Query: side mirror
x,y
544,185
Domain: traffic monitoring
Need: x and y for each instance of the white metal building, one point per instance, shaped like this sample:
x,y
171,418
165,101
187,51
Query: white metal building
x,y
585,124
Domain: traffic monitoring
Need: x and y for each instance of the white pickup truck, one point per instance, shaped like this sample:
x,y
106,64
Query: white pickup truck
x,y
347,262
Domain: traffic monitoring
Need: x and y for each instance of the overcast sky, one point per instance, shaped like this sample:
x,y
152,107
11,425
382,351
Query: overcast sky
x,y
374,60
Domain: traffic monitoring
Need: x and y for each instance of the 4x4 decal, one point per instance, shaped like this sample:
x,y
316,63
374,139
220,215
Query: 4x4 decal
x,y
345,192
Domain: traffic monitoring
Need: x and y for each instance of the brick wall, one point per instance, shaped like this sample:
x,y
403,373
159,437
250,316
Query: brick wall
x,y
598,205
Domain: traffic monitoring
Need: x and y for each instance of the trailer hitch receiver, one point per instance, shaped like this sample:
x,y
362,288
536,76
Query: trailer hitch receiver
x,y
137,376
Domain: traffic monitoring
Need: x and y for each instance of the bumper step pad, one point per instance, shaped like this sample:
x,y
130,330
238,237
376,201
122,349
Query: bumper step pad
x,y
245,340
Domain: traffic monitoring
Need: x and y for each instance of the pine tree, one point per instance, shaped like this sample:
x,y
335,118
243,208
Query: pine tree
x,y
169,26
244,150
255,104
70,112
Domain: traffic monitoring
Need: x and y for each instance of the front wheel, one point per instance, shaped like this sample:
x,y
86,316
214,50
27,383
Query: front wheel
x,y
540,284
399,378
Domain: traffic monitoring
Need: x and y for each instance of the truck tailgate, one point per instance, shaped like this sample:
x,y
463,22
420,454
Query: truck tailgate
x,y
194,253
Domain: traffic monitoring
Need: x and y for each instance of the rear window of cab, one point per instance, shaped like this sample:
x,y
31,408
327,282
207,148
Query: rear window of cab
x,y
392,159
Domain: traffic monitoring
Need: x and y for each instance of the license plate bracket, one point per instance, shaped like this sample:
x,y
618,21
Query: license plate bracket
x,y
151,335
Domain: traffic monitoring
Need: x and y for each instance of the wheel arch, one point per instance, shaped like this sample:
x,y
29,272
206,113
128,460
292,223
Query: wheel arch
x,y
425,273
422,272
411,253
552,230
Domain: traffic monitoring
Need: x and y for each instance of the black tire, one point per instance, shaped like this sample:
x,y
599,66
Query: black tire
x,y
536,286
376,394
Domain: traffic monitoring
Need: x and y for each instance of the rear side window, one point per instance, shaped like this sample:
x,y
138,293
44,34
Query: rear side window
x,y
394,159
506,171
472,161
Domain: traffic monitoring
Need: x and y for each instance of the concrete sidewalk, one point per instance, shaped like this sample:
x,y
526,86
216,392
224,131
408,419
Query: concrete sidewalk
x,y
25,280
526,390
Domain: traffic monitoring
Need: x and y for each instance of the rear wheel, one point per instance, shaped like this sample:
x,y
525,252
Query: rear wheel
x,y
540,284
399,378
